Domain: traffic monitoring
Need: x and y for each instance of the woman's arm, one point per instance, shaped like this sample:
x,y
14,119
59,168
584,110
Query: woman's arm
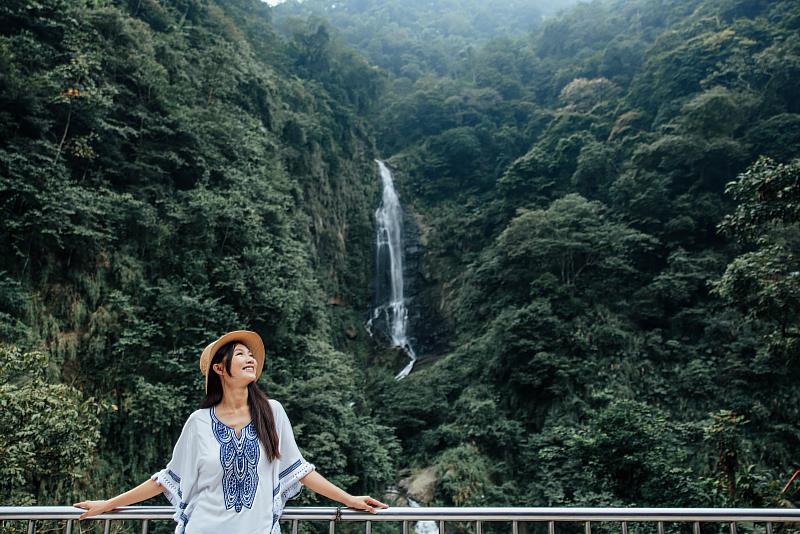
x,y
142,492
319,484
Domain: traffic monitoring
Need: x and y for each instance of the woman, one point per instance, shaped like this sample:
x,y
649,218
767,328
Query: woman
x,y
236,462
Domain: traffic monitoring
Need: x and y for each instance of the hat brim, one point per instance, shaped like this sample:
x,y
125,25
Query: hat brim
x,y
250,339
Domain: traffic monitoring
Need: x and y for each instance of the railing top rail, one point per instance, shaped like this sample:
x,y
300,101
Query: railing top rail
x,y
777,515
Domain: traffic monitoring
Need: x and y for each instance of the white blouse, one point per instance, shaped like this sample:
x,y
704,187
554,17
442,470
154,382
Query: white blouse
x,y
220,483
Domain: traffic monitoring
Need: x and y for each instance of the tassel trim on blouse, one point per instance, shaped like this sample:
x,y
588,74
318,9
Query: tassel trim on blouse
x,y
171,483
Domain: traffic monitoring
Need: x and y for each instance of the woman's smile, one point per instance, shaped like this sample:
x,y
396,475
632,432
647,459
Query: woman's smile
x,y
245,359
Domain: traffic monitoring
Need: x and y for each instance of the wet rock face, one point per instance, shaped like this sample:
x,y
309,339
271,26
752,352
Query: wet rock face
x,y
426,328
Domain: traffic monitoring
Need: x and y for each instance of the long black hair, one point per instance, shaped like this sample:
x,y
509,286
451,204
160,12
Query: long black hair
x,y
257,401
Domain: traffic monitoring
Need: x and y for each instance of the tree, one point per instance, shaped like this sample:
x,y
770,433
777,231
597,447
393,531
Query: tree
x,y
49,430
627,452
765,282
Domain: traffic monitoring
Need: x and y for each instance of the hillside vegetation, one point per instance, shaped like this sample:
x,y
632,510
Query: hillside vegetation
x,y
609,197
623,320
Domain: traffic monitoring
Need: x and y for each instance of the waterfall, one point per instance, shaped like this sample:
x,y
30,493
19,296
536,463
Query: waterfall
x,y
391,304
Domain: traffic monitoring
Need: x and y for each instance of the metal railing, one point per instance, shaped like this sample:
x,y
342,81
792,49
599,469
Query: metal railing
x,y
550,516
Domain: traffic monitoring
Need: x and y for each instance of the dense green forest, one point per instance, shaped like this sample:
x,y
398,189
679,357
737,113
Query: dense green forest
x,y
615,265
608,198
168,175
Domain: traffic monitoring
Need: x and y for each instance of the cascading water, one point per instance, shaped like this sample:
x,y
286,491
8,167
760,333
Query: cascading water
x,y
389,268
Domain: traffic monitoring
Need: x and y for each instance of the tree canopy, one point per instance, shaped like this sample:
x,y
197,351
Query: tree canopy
x,y
606,199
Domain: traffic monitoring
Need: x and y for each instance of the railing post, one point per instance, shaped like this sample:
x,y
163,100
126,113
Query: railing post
x,y
31,526
441,526
107,527
514,527
68,527
478,527
588,528
696,527
733,527
551,527
368,528
294,526
660,527
624,527
769,527
331,527
145,526
405,527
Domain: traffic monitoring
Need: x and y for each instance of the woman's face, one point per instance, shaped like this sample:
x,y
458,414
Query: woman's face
x,y
243,367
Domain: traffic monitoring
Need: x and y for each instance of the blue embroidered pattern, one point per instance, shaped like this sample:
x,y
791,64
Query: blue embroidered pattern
x,y
239,459
290,469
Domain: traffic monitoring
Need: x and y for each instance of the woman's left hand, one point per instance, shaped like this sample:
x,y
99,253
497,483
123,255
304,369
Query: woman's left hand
x,y
365,502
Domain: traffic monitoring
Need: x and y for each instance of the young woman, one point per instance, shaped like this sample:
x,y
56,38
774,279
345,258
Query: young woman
x,y
236,462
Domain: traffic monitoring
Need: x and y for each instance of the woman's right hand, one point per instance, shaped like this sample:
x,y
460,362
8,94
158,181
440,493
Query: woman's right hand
x,y
145,490
92,508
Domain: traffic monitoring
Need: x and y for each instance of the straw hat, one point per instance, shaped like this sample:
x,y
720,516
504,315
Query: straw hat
x,y
251,339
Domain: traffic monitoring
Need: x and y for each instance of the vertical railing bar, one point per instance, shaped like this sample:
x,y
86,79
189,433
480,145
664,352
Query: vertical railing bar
x,y
405,527
31,526
733,527
769,527
514,527
660,527
68,527
551,527
696,527
331,527
588,528
294,526
441,526
368,527
107,526
478,527
624,527
145,526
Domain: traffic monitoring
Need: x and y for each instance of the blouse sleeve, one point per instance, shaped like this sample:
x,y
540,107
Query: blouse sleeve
x,y
292,467
179,477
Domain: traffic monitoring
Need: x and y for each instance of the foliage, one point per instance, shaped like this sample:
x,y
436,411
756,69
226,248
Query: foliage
x,y
171,170
50,430
571,183
627,450
765,282
166,172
